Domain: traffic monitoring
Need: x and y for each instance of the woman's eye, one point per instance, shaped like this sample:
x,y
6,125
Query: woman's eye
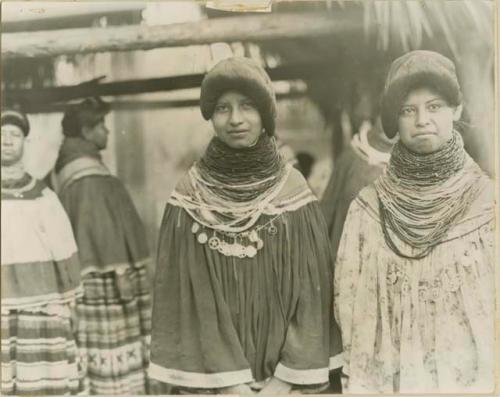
x,y
16,134
407,111
247,105
221,108
434,106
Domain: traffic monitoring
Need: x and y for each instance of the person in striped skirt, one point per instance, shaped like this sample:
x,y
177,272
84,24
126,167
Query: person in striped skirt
x,y
40,278
115,311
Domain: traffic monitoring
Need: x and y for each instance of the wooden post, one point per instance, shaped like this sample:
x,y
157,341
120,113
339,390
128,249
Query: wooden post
x,y
136,37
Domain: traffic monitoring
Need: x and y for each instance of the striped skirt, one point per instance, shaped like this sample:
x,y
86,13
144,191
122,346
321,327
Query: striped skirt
x,y
114,331
39,353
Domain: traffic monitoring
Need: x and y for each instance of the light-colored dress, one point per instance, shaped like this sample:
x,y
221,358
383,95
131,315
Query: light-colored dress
x,y
40,285
417,326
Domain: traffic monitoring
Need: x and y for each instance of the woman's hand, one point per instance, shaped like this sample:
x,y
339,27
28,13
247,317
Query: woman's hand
x,y
276,386
242,389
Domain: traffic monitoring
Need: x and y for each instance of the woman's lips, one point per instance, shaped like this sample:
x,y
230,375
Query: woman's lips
x,y
424,133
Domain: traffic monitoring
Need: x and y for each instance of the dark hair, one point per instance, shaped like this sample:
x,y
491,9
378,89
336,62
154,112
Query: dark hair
x,y
305,163
87,113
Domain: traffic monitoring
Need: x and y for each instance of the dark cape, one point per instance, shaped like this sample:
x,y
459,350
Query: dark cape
x,y
222,320
107,227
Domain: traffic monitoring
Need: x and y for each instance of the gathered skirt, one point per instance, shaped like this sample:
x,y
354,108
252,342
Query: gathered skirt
x,y
114,331
39,352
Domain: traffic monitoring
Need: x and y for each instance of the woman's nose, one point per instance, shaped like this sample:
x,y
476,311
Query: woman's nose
x,y
236,117
422,117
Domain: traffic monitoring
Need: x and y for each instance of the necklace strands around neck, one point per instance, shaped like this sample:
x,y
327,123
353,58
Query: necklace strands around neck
x,y
17,187
230,189
422,197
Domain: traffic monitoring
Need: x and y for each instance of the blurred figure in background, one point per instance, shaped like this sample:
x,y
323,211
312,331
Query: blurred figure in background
x,y
357,166
40,278
305,162
115,311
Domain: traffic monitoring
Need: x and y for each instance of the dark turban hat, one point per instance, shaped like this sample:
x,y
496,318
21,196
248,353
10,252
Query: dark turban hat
x,y
17,118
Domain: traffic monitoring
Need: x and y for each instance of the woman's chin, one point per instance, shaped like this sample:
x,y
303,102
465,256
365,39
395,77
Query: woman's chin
x,y
239,143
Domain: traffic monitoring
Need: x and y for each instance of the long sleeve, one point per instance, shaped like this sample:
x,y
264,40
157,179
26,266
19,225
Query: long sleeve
x,y
347,270
305,358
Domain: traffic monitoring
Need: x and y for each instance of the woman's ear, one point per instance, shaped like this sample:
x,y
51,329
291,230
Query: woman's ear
x,y
458,112
86,131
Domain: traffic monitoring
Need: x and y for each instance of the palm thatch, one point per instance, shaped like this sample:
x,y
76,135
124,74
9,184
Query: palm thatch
x,y
407,23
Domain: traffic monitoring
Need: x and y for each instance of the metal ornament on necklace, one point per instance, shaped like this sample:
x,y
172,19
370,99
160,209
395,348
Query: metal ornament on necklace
x,y
17,187
240,245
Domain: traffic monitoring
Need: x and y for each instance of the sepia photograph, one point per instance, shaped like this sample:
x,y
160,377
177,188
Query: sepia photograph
x,y
249,197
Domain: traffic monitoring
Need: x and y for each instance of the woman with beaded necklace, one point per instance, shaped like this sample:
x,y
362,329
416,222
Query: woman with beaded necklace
x,y
414,278
40,278
242,301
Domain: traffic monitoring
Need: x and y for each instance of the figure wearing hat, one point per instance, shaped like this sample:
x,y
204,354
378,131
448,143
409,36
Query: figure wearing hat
x,y
115,310
414,276
243,290
40,278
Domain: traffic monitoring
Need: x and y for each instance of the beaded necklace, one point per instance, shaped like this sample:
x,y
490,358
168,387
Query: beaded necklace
x,y
19,186
422,196
230,190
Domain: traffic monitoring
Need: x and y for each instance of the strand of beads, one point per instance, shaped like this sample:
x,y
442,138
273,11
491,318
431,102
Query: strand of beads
x,y
241,245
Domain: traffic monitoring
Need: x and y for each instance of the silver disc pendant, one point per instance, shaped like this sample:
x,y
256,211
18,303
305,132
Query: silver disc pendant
x,y
214,242
195,227
241,251
272,230
202,238
253,236
251,251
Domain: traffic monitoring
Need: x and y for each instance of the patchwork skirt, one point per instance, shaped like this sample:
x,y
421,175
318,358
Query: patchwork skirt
x,y
114,331
39,352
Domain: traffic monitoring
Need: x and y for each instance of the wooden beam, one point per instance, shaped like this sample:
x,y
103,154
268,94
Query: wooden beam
x,y
138,105
32,97
128,38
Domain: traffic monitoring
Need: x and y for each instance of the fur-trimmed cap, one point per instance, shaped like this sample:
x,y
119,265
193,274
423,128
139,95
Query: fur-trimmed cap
x,y
17,118
413,70
245,76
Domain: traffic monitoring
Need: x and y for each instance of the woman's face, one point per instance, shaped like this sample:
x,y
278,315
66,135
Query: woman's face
x,y
12,144
236,120
426,121
97,134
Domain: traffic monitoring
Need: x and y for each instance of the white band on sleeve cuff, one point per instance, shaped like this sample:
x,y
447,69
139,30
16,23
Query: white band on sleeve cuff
x,y
197,379
301,376
336,361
